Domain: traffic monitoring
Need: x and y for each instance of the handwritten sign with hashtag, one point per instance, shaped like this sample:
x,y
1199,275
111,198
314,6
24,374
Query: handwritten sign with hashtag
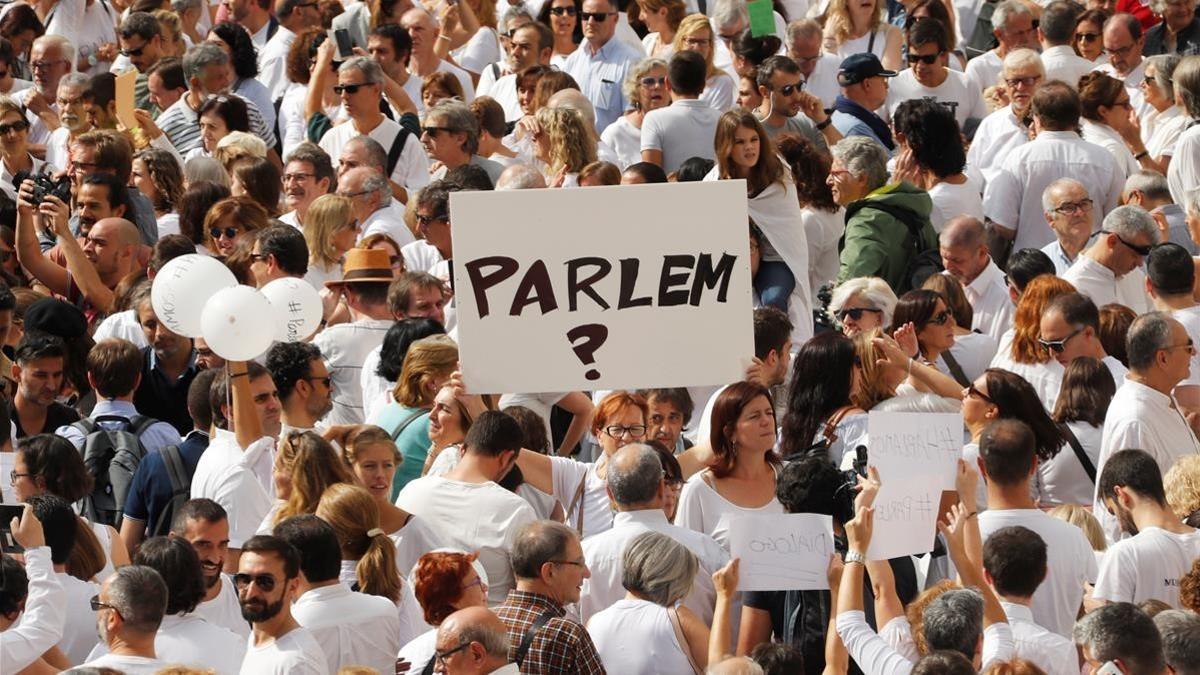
x,y
916,455
782,552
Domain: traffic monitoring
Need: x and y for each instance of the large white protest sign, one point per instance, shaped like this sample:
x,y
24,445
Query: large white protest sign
x,y
602,287
782,552
916,455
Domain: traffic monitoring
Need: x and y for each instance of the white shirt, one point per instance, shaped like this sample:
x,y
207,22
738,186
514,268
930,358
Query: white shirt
x,y
997,135
345,347
1013,196
1108,138
41,625
1147,566
414,540
1133,86
419,651
600,74
955,91
1051,652
626,140
876,657
225,474
823,82
719,92
1062,479
974,353
992,307
984,70
1161,130
822,229
412,169
122,325
352,628
190,640
480,517
420,256
541,404
1190,318
1062,63
224,610
605,552
1069,563
681,130
272,62
1183,173
464,78
703,509
385,221
950,201
79,630
480,50
373,386
130,665
504,91
297,652
1100,284
567,477
1045,378
635,637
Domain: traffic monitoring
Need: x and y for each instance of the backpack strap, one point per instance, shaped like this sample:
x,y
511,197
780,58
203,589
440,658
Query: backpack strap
x,y
681,637
527,638
138,424
181,483
1088,467
956,370
404,424
393,157
578,499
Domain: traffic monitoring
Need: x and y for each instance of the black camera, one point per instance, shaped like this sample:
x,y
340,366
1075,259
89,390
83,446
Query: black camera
x,y
44,185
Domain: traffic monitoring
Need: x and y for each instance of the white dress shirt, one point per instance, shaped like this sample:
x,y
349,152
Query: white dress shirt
x,y
1133,86
1051,652
1062,63
79,630
988,295
605,552
226,474
420,256
1108,138
1013,196
504,91
1161,130
41,624
600,74
352,628
1183,174
636,637
296,652
345,348
1144,418
387,221
122,325
1101,285
997,135
272,63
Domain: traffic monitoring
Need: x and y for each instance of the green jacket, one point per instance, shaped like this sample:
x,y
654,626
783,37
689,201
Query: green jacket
x,y
876,243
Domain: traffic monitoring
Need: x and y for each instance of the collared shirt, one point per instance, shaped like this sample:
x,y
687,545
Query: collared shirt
x,y
1099,283
1051,652
162,399
1062,63
988,295
412,169
1183,173
600,73
560,647
345,347
272,62
984,70
41,625
156,436
351,627
150,492
1013,197
1144,418
605,552
997,135
1147,566
1133,85
225,474
1161,130
1058,256
876,657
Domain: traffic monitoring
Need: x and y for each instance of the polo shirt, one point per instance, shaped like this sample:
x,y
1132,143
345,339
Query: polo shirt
x,y
150,491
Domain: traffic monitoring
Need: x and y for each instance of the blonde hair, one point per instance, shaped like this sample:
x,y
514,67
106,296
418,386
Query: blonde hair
x,y
312,466
326,215
692,24
354,516
169,21
1182,484
838,24
1084,520
431,357
238,145
9,105
872,385
572,146
354,437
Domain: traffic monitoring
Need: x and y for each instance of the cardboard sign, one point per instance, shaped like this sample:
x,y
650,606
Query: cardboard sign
x,y
782,552
126,82
615,287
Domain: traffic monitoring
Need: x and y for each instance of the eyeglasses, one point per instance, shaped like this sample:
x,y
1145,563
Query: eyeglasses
x,y
562,11
440,657
1015,82
259,257
229,232
19,125
941,318
1086,37
697,42
599,17
426,221
327,381
1071,208
653,81
576,563
1191,348
972,391
13,476
97,605
1121,51
351,89
46,65
617,431
1057,346
478,582
352,195
297,177
434,131
856,313
264,581
1149,80
789,89
927,59
1123,104
1142,251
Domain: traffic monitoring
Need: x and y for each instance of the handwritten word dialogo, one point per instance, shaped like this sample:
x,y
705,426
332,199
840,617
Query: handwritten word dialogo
x,y
782,552
605,288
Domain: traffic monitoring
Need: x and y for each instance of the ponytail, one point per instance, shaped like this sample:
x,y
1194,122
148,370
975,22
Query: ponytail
x,y
376,570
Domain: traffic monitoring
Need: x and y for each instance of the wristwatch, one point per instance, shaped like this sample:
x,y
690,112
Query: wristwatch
x,y
855,557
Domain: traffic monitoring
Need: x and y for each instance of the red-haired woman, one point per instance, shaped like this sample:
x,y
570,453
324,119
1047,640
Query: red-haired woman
x,y
444,582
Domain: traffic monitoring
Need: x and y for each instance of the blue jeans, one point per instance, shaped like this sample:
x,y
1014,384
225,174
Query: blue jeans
x,y
774,283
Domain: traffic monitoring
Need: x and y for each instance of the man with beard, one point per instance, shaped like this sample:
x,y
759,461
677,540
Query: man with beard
x,y
72,117
305,386
150,503
1008,127
38,370
1159,550
787,108
50,57
268,580
129,610
204,524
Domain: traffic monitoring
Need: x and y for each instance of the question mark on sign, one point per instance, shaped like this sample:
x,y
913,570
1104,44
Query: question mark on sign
x,y
586,341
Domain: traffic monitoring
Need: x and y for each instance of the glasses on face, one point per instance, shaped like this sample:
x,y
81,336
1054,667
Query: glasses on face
x,y
1142,251
941,318
1014,82
972,391
1188,346
856,313
1086,37
97,605
927,59
1123,104
133,52
426,221
440,657
478,582
352,195
13,476
789,89
297,177
229,232
327,380
563,11
351,89
617,430
599,17
653,81
1150,80
264,581
576,563
17,126
260,257
1120,51
1057,346
46,65
434,131
1072,208
696,42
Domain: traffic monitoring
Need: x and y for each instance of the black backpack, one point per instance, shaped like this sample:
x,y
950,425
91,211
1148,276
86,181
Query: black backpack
x,y
922,261
181,488
112,457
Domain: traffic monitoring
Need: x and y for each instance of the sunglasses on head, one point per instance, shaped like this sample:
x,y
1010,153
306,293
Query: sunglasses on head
x,y
562,11
927,59
229,232
264,581
856,313
351,89
1057,346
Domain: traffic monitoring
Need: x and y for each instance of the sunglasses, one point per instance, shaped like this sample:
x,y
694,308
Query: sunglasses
x,y
1057,346
133,52
425,221
434,131
1087,37
264,581
351,89
789,89
97,605
856,313
941,318
1143,251
928,59
19,125
653,81
229,232
599,17
562,11
972,391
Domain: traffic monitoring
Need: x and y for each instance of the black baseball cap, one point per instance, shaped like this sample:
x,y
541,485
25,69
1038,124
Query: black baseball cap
x,y
858,67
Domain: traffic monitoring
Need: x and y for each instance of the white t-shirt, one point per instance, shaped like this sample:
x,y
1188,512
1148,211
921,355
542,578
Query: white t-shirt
x,y
224,610
984,70
1100,284
822,230
1062,480
481,50
625,139
352,628
680,131
566,476
130,665
703,509
955,90
79,632
412,169
950,200
1147,566
297,652
636,637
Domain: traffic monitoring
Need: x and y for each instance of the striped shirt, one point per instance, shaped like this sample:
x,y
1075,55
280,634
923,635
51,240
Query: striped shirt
x,y
181,124
345,346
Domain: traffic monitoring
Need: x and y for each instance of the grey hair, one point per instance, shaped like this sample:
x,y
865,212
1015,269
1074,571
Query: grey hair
x,y
513,12
181,6
139,594
1019,58
457,115
803,29
1187,84
1148,334
726,13
1164,69
68,49
538,543
380,185
1005,11
658,568
963,232
365,65
74,79
875,290
635,481
200,57
954,620
1130,221
1152,184
376,155
1180,632
495,642
1191,200
863,158
634,76
1120,630
520,177
199,169
1047,204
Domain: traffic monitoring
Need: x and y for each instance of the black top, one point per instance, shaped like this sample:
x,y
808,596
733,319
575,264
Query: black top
x,y
164,400
58,415
1187,42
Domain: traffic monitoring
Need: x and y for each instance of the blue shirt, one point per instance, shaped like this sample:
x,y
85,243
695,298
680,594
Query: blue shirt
x,y
150,491
600,75
156,436
849,125
413,441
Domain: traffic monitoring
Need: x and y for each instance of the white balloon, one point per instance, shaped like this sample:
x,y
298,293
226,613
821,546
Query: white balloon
x,y
183,286
299,305
239,323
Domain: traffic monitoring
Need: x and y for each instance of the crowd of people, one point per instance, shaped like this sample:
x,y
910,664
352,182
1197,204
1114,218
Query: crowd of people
x,y
990,209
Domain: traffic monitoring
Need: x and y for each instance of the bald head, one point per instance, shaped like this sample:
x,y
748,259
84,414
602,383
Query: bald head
x,y
118,230
963,247
484,635
520,177
963,232
573,98
635,478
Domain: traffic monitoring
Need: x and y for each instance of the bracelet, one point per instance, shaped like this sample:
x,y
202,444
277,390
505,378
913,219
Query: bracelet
x,y
444,37
911,361
972,514
824,125
855,557
1138,157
